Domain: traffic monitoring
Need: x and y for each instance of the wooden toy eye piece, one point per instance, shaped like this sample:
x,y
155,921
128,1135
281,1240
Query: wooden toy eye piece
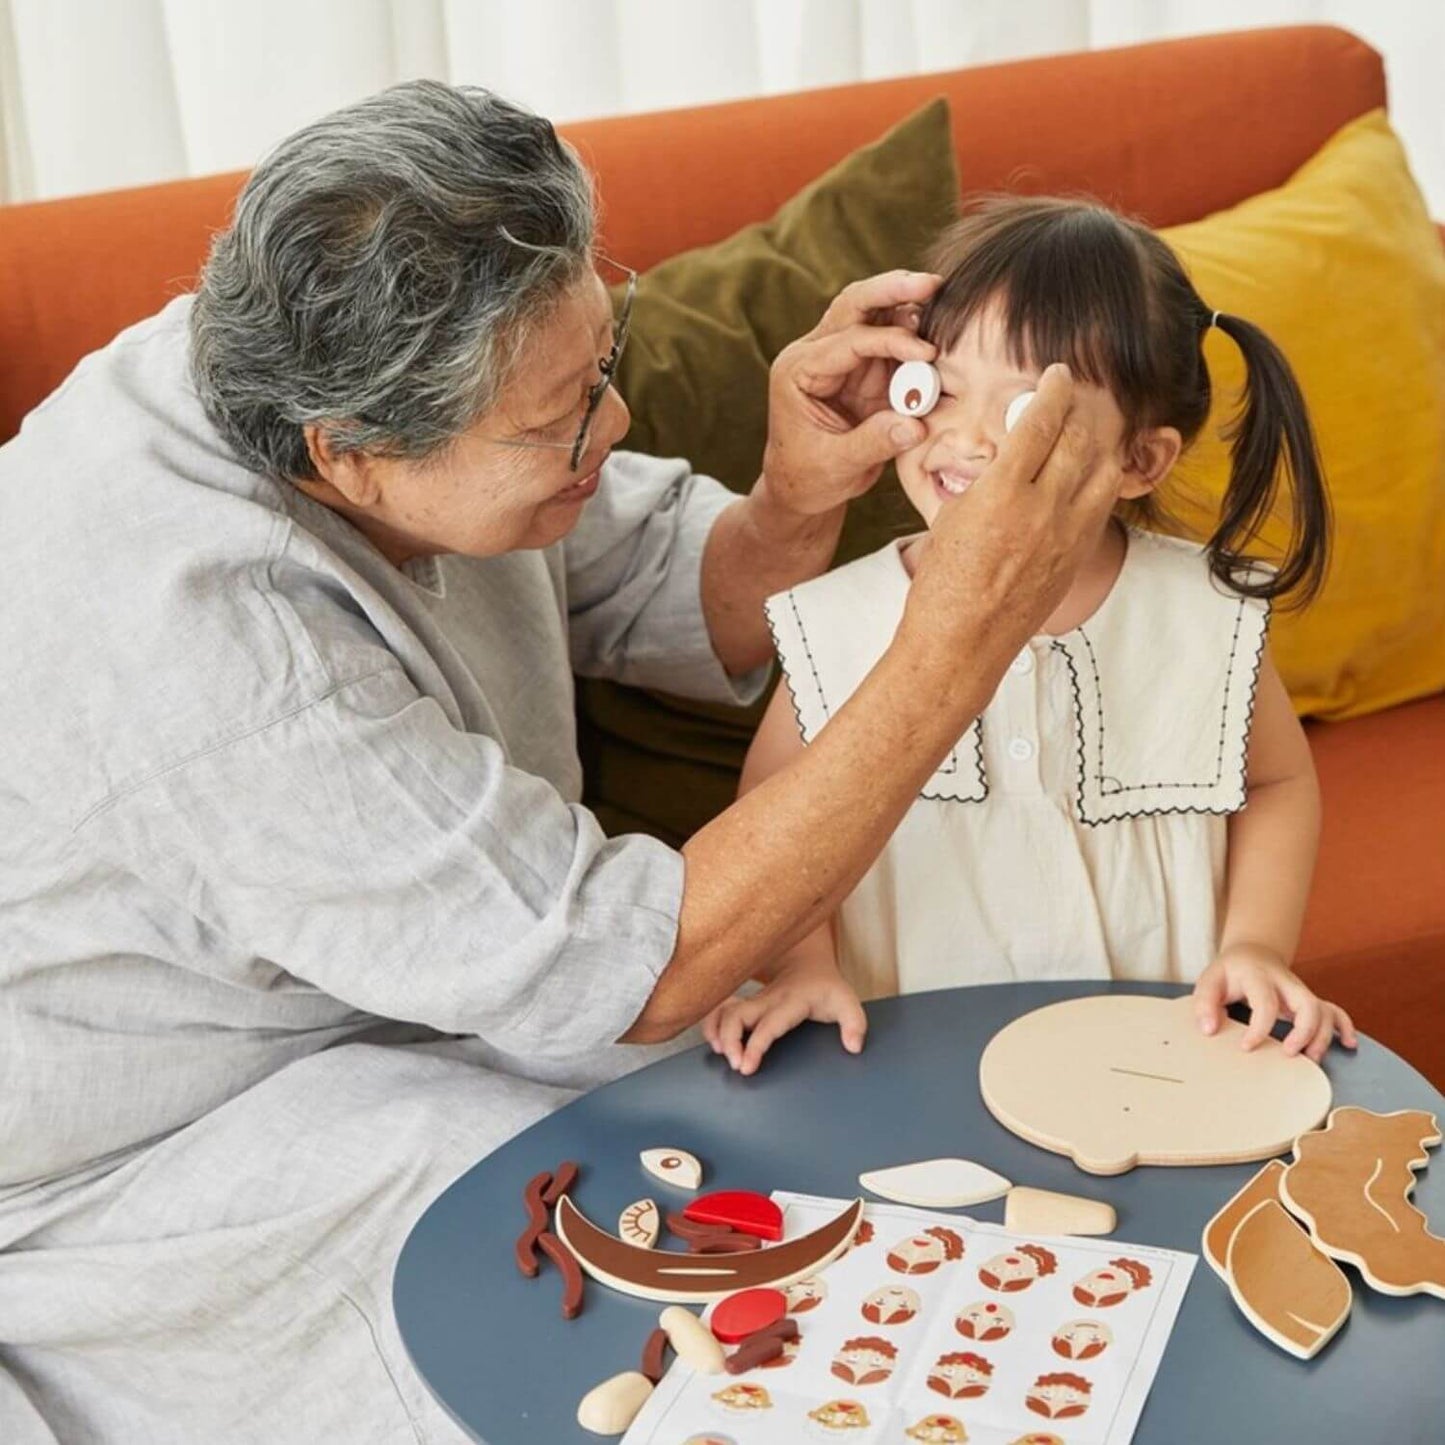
x,y
1016,408
915,388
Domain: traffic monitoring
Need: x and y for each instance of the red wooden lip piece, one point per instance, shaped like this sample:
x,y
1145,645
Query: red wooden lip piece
x,y
738,1209
747,1312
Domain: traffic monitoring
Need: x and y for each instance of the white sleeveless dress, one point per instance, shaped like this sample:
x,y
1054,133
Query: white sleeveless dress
x,y
1077,830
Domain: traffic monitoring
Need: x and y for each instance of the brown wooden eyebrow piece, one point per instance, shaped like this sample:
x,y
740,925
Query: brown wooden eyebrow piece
x,y
660,1274
525,1249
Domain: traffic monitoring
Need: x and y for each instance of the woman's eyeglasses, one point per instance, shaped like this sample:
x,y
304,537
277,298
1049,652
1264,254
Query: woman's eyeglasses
x,y
607,370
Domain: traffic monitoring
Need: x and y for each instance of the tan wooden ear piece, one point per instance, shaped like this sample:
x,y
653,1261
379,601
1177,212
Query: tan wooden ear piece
x,y
1289,1291
1351,1182
1220,1230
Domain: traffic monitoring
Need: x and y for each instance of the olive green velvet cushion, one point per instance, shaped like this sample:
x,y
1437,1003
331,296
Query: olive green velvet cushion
x,y
706,325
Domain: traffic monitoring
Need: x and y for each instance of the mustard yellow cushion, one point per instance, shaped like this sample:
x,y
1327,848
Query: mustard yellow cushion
x,y
1343,267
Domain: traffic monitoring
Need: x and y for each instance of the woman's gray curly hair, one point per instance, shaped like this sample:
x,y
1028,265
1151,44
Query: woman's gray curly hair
x,y
381,271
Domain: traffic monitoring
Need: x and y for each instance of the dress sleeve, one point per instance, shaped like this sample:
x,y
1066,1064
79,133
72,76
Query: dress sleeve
x,y
373,850
634,575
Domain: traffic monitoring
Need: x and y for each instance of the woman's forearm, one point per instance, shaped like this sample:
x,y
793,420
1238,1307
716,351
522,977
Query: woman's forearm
x,y
757,548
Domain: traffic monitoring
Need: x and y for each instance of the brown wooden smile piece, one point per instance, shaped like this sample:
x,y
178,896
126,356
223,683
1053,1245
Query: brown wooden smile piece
x,y
696,1279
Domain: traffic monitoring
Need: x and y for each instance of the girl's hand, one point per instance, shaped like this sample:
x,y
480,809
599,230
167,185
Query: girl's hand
x,y
1261,978
807,989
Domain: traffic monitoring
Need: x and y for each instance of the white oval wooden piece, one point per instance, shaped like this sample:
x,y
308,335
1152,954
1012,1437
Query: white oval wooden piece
x,y
640,1224
609,1408
673,1166
937,1183
1041,1211
692,1341
1116,1080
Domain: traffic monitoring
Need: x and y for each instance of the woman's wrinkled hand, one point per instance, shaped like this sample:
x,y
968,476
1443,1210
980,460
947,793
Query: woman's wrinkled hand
x,y
830,428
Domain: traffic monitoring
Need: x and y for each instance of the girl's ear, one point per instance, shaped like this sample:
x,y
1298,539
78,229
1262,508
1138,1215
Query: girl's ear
x,y
1151,457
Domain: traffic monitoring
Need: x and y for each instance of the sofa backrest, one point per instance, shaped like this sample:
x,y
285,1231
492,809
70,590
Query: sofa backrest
x,y
1170,131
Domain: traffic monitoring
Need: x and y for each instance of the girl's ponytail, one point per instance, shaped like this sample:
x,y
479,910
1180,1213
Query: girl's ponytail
x,y
1273,425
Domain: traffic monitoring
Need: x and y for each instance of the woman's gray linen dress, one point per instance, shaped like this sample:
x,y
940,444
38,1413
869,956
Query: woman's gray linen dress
x,y
276,818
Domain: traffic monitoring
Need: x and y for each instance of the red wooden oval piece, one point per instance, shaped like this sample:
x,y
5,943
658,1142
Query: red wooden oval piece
x,y
746,1312
739,1209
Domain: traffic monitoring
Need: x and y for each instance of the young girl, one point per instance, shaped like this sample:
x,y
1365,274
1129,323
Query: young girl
x,y
1138,800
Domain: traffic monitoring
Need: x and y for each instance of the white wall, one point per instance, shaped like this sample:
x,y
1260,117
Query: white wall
x,y
102,93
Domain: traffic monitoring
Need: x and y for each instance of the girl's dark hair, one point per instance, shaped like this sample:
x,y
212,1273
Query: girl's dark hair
x,y
1079,283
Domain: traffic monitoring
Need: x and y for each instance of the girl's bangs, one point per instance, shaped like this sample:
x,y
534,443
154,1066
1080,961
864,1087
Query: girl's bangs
x,y
1065,287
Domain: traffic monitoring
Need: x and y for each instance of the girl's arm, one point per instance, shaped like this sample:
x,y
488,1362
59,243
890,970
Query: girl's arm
x,y
804,982
1272,847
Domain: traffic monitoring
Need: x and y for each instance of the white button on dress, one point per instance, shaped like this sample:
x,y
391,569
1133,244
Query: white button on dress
x,y
1020,749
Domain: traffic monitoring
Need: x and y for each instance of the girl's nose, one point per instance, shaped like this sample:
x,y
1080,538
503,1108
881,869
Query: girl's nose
x,y
968,435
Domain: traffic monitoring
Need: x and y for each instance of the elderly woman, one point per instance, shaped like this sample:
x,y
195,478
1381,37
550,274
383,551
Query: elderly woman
x,y
299,912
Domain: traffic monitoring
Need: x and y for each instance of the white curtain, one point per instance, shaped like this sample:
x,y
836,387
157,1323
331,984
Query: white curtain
x,y
102,93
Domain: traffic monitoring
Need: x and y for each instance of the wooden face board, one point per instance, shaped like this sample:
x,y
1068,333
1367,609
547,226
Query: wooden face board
x,y
1123,1079
1351,1183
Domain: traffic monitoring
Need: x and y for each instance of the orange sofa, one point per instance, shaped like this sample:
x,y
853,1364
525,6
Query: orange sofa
x,y
1170,131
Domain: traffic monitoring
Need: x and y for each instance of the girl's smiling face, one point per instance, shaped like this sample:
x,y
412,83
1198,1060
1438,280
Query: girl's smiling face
x,y
966,428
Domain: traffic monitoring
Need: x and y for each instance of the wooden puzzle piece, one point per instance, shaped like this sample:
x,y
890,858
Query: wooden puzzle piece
x,y
673,1166
1116,1080
1287,1289
693,1343
747,1312
573,1286
1350,1183
697,1279
534,1199
609,1408
640,1224
936,1183
763,1346
1220,1230
740,1210
562,1182
1041,1211
654,1356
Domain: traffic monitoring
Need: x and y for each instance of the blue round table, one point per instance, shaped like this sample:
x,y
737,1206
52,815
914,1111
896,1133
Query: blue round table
x,y
494,1348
